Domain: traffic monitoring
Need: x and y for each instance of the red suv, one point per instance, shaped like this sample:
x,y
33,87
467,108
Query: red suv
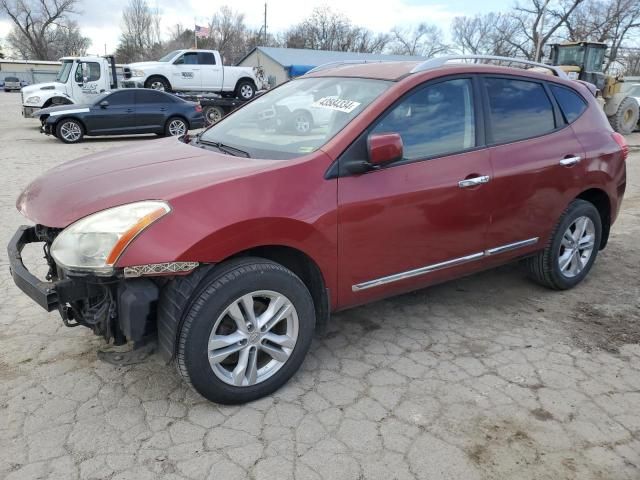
x,y
364,181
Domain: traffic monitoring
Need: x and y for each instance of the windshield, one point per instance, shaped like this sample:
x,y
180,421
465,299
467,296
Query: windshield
x,y
169,56
571,56
63,73
296,118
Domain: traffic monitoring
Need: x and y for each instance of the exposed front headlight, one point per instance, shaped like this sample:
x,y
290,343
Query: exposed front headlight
x,y
137,73
32,100
94,243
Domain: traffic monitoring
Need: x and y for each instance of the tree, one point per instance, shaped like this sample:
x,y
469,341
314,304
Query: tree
x,y
488,34
540,21
608,21
140,37
325,29
425,40
42,29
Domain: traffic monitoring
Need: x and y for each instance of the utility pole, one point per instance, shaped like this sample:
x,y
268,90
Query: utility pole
x,y
265,24
541,31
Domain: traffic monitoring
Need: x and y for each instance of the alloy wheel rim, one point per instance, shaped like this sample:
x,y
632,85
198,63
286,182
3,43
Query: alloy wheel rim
x,y
576,247
70,131
302,125
246,91
177,128
253,338
157,86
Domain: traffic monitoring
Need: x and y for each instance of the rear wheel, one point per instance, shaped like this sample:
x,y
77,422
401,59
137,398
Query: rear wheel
x,y
245,90
572,249
176,127
158,83
69,130
625,120
246,332
213,114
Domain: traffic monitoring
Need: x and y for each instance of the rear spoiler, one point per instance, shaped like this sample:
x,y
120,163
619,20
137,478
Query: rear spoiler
x,y
590,86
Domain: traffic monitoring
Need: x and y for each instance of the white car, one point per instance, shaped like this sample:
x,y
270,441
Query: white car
x,y
193,70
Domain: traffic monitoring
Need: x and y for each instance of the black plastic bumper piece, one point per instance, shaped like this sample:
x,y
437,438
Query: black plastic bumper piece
x,y
43,293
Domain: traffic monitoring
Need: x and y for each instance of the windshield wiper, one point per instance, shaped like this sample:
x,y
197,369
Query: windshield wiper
x,y
223,148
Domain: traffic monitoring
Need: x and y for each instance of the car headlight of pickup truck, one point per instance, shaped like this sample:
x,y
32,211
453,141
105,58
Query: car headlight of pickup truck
x,y
35,99
94,243
137,73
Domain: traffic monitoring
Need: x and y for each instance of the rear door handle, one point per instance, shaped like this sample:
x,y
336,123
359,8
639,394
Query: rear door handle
x,y
472,182
568,161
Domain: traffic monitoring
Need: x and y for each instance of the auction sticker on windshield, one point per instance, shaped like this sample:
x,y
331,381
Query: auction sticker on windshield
x,y
338,104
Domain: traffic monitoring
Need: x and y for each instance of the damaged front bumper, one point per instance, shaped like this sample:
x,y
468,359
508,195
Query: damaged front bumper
x,y
114,307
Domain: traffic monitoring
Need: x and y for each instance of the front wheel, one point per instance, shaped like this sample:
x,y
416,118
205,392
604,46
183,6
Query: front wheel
x,y
572,249
247,331
157,83
175,127
69,131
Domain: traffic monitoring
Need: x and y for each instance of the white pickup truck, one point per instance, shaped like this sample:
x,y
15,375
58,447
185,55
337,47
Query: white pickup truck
x,y
193,70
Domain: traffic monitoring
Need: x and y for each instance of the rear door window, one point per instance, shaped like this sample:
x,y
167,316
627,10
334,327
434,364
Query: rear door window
x,y
206,58
144,96
571,104
436,120
518,109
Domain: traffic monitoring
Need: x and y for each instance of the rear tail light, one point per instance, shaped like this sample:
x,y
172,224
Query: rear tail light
x,y
198,107
622,143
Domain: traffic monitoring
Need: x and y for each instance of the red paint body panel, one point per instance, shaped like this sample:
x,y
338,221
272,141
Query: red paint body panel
x,y
355,228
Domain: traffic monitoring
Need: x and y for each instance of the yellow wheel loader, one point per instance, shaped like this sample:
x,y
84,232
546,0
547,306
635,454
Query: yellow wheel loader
x,y
584,61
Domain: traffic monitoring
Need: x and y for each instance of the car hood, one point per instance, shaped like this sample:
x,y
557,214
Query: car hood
x,y
142,65
158,170
42,87
60,108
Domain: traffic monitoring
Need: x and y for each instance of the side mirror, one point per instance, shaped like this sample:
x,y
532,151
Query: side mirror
x,y
104,104
85,72
384,148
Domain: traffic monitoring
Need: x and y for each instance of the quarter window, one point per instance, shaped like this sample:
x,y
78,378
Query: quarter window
x,y
518,109
571,104
436,120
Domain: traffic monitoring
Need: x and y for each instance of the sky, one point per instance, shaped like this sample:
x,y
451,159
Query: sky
x,y
100,20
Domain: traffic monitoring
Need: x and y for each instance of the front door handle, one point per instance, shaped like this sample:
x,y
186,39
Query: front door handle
x,y
568,161
129,110
472,182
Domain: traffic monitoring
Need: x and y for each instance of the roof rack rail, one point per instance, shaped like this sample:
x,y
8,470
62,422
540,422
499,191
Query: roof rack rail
x,y
440,61
325,66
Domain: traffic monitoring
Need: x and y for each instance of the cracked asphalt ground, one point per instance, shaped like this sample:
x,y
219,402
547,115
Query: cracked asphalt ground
x,y
488,377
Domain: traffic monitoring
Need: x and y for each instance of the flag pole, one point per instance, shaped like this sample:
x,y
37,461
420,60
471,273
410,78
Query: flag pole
x,y
195,33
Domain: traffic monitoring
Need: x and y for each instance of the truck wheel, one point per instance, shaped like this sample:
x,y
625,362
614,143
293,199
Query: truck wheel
x,y
69,130
572,248
246,332
302,122
157,83
245,90
175,127
625,119
213,114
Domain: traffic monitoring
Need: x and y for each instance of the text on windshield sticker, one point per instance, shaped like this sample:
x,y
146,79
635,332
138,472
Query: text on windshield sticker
x,y
333,103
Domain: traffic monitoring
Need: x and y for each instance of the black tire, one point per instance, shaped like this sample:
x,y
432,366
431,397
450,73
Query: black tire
x,y
170,127
213,114
245,90
225,284
544,267
301,122
154,82
67,124
625,120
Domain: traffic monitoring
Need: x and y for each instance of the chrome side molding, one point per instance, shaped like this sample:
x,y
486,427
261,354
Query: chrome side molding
x,y
447,264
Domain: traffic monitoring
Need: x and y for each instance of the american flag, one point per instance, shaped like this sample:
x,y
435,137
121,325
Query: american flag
x,y
202,32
